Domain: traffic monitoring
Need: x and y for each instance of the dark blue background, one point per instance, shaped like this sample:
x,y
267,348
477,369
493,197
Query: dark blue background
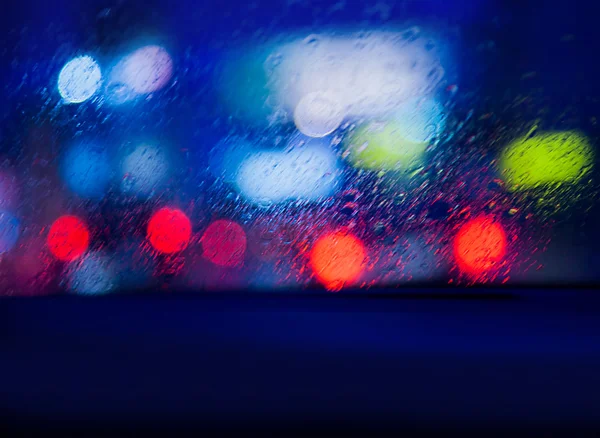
x,y
529,360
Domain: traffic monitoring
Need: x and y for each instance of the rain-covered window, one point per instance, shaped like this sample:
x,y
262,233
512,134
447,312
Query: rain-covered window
x,y
294,145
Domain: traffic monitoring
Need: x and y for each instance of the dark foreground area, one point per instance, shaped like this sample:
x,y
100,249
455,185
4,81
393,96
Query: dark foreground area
x,y
419,363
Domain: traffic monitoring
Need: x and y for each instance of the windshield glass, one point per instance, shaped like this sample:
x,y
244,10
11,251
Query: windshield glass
x,y
296,145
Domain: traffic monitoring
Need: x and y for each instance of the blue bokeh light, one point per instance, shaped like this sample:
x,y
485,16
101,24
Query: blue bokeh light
x,y
306,170
145,171
420,120
86,169
10,230
79,79
93,275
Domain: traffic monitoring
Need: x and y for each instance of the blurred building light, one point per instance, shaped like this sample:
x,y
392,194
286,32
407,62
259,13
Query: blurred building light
x,y
369,74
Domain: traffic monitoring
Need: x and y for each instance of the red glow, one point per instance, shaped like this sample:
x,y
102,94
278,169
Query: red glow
x,y
169,230
68,238
479,245
224,243
337,259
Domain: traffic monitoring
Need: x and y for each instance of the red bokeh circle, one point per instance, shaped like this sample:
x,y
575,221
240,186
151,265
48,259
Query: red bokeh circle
x,y
480,245
68,238
169,230
338,259
224,243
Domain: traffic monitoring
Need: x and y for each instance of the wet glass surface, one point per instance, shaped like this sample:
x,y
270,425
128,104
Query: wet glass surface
x,y
300,145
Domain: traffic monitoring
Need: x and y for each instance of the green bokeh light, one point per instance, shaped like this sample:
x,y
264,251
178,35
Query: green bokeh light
x,y
381,146
546,159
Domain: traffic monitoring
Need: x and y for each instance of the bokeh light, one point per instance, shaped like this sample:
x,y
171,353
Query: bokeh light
x,y
369,73
10,230
338,259
318,114
144,171
86,168
381,146
147,69
480,245
546,159
79,79
68,238
224,243
306,171
169,230
420,119
227,155
92,275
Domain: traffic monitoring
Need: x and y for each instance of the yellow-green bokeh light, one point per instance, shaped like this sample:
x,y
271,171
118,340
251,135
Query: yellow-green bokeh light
x,y
381,146
546,159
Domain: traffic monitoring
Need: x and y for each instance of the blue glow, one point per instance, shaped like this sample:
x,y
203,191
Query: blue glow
x,y
145,171
79,79
10,230
420,119
242,84
147,69
86,169
306,171
93,275
140,72
227,155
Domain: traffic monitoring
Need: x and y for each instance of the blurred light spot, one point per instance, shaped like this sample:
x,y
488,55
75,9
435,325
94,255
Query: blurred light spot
x,y
92,275
144,171
549,158
169,230
79,79
304,172
10,230
86,169
147,69
226,157
224,243
420,120
318,114
117,92
381,146
337,259
242,84
68,238
480,245
369,73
